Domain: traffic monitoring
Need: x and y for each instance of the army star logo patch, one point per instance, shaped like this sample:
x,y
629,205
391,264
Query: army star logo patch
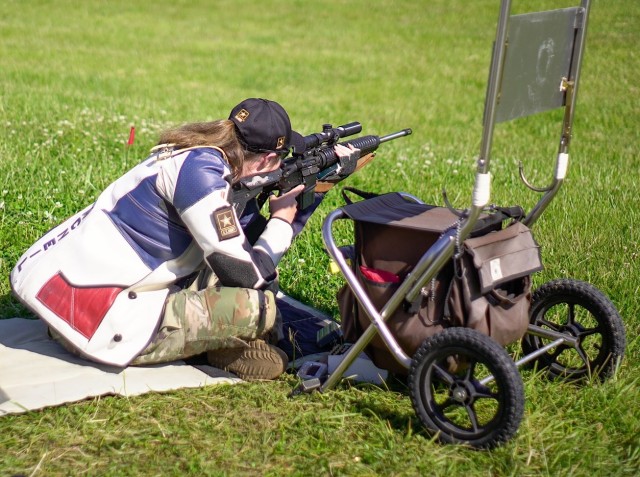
x,y
242,115
225,223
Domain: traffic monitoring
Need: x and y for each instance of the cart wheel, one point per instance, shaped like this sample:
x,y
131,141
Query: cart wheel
x,y
447,394
580,310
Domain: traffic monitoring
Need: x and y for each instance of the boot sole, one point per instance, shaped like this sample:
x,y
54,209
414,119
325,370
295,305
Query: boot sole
x,y
258,361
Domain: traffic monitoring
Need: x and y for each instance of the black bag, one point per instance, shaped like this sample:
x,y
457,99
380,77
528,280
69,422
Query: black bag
x,y
486,287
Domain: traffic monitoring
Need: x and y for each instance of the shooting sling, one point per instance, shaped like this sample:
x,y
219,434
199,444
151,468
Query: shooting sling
x,y
486,286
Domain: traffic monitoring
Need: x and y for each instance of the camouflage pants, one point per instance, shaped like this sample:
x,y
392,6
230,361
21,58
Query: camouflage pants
x,y
196,321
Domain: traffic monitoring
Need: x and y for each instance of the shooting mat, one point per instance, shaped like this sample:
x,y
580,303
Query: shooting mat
x,y
36,372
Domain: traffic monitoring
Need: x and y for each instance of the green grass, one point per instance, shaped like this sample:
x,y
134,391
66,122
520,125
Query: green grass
x,y
75,76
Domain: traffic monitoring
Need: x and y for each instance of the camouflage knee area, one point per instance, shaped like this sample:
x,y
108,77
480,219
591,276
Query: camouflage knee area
x,y
228,317
167,344
241,312
198,321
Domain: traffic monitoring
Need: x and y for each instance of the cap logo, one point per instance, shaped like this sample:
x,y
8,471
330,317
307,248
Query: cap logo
x,y
280,142
242,115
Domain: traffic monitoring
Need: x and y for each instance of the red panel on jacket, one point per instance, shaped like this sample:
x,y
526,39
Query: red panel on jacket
x,y
83,308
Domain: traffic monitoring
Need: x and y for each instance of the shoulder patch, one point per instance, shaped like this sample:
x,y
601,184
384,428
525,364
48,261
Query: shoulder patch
x,y
224,221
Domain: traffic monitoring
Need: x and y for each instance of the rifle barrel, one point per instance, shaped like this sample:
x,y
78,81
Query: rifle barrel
x,y
395,135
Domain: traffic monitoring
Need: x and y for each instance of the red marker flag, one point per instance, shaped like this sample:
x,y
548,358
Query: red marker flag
x,y
132,136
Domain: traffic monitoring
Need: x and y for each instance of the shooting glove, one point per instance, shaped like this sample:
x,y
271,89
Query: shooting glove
x,y
332,179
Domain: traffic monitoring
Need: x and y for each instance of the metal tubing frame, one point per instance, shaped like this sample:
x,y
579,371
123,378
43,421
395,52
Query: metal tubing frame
x,y
559,338
427,268
362,297
440,252
571,85
493,86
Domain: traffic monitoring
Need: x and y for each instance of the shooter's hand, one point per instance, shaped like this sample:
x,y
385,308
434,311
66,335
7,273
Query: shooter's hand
x,y
284,206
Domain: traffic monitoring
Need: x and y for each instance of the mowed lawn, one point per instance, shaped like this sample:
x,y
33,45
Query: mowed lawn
x,y
76,76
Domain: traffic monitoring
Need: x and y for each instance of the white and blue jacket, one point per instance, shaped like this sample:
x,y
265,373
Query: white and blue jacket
x,y
101,278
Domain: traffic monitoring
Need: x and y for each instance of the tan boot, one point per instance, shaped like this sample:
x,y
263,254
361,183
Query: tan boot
x,y
254,362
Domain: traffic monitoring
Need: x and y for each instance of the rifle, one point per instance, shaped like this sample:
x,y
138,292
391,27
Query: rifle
x,y
316,162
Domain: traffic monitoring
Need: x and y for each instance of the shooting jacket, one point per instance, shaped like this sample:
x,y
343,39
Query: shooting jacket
x,y
101,278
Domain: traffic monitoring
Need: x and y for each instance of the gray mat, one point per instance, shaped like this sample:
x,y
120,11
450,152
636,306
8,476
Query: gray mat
x,y
36,372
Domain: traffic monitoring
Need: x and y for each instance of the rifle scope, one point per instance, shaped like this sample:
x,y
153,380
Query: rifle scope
x,y
330,135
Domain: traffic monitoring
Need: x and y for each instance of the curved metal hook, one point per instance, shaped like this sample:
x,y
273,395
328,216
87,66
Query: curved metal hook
x,y
528,184
449,206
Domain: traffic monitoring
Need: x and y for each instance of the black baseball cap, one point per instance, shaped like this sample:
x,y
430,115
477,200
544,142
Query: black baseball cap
x,y
264,126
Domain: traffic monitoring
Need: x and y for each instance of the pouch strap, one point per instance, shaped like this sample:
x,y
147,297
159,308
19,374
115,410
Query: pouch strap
x,y
360,193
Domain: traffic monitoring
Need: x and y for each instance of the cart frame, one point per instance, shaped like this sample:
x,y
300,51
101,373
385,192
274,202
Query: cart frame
x,y
507,98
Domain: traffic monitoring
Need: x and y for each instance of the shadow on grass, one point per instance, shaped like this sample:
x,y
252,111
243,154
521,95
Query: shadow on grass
x,y
396,410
